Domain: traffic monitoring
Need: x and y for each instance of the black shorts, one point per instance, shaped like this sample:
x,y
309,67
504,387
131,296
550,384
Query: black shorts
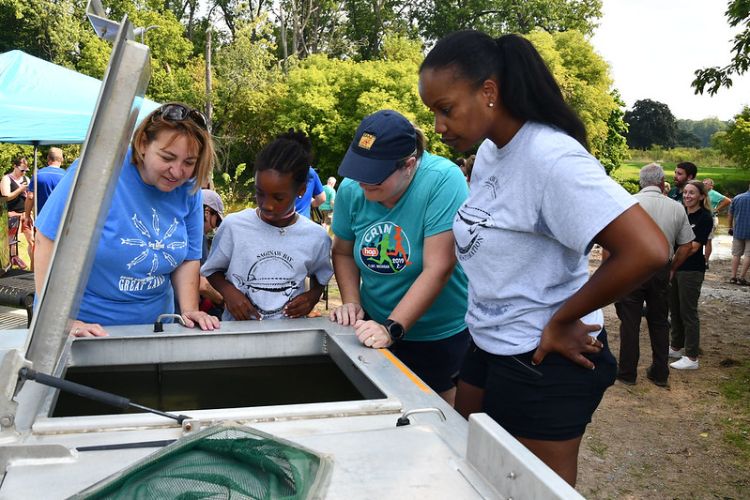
x,y
437,362
552,401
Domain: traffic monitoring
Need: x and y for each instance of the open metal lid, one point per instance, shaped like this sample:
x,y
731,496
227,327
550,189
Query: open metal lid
x,y
106,144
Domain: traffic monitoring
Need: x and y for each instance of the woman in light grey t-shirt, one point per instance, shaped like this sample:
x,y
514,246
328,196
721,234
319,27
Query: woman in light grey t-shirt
x,y
538,202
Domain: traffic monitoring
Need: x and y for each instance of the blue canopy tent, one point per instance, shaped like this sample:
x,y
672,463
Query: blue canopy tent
x,y
42,103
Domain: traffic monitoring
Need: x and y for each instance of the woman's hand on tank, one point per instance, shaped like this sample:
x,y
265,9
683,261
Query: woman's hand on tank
x,y
81,329
301,305
372,334
204,320
572,340
238,305
347,314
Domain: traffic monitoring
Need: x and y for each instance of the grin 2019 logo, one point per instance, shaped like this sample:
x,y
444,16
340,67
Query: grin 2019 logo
x,y
385,248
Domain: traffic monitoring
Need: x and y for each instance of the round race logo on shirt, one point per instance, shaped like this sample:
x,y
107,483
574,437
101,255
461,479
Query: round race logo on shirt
x,y
385,248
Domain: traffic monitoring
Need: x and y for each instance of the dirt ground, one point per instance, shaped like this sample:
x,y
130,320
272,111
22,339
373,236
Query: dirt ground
x,y
650,442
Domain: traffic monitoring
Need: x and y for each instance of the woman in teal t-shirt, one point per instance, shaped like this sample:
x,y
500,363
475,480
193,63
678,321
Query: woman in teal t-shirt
x,y
393,249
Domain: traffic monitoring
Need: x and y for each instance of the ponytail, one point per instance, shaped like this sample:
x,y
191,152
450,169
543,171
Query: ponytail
x,y
527,88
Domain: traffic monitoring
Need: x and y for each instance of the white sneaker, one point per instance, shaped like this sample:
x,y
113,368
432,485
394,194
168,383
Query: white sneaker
x,y
685,363
676,353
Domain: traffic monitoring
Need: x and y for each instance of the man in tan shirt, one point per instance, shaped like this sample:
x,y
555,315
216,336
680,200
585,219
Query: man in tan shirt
x,y
671,217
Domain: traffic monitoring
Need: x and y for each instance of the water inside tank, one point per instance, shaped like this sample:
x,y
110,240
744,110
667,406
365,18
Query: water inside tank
x,y
209,385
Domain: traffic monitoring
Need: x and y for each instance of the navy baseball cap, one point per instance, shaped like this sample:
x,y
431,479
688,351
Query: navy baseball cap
x,y
382,139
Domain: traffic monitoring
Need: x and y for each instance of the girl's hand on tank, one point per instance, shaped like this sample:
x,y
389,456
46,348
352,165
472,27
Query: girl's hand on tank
x,y
239,306
347,314
204,320
301,305
372,334
572,340
81,329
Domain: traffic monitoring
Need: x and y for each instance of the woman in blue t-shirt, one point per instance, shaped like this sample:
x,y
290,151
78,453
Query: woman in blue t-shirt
x,y
393,249
151,243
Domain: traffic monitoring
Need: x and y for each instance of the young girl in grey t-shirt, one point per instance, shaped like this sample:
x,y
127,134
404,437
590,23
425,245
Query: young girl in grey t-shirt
x,y
261,257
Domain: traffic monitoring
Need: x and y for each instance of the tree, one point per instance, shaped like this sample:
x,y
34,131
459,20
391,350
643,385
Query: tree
x,y
686,139
702,129
437,18
650,122
584,79
738,13
371,21
50,30
247,86
735,141
326,98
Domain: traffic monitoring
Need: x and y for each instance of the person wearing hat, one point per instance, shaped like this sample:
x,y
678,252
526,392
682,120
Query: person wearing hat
x,y
393,249
213,214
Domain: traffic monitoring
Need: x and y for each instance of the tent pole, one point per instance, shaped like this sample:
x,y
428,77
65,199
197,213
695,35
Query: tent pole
x,y
36,151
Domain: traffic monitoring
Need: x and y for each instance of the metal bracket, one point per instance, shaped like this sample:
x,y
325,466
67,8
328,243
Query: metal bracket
x,y
12,362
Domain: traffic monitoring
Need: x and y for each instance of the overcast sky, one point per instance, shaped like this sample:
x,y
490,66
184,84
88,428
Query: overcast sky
x,y
654,46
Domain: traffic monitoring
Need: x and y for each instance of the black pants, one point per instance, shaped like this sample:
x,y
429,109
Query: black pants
x,y
655,293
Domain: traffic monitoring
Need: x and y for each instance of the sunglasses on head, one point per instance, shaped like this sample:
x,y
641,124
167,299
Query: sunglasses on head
x,y
179,113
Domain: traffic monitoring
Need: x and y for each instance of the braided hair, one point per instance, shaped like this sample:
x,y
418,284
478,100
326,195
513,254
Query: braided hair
x,y
289,153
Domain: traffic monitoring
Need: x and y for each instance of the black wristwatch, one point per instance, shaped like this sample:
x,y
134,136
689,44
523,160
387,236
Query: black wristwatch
x,y
395,329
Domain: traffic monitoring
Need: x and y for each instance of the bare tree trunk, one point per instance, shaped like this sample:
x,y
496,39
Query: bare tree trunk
x,y
190,20
209,105
295,27
284,47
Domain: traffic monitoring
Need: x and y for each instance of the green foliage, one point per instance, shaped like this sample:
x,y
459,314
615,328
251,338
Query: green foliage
x,y
370,21
347,58
247,87
10,151
687,139
650,122
738,14
46,29
702,129
630,184
703,156
327,98
735,141
584,80
401,48
236,189
437,18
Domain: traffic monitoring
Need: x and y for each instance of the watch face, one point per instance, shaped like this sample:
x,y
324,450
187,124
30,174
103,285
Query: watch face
x,y
395,329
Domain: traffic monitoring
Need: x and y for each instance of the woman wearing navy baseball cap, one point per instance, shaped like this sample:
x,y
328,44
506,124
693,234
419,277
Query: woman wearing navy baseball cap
x,y
393,249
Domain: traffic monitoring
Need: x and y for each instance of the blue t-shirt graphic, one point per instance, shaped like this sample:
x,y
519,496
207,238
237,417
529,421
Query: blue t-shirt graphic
x,y
147,234
389,244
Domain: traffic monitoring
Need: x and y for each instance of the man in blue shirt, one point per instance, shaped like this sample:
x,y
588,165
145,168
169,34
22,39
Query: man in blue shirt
x,y
314,195
45,181
739,228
